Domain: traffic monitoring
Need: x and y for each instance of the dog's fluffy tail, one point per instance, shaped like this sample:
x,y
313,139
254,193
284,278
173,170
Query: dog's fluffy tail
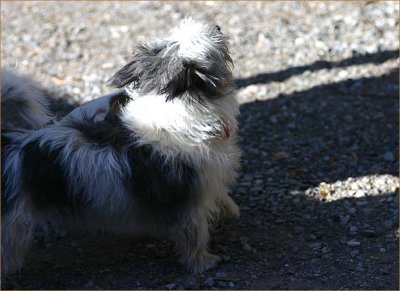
x,y
24,104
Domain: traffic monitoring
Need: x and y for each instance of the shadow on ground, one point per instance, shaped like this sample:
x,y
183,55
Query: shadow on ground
x,y
280,76
291,143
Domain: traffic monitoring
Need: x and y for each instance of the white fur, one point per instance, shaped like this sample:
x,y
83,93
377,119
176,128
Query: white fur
x,y
180,129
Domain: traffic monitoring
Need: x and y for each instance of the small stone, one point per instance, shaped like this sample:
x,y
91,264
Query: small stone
x,y
245,246
130,256
344,219
359,193
224,276
354,253
389,157
244,239
150,246
353,228
325,250
89,285
388,224
191,283
353,243
209,282
221,284
382,250
168,278
170,286
368,233
384,271
226,258
231,284
352,210
324,190
315,246
62,234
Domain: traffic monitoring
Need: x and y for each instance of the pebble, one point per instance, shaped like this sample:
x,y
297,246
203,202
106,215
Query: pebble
x,y
170,286
353,229
89,285
359,193
325,250
359,269
244,242
226,258
388,224
191,283
354,253
225,276
384,271
389,157
353,243
368,233
315,246
209,282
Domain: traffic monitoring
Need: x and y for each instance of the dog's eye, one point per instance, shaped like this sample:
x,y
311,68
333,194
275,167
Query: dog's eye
x,y
218,28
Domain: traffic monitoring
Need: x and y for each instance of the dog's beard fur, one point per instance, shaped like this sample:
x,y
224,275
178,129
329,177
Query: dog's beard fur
x,y
160,161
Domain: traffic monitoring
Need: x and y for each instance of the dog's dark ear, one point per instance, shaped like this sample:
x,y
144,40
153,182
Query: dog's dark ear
x,y
192,79
143,65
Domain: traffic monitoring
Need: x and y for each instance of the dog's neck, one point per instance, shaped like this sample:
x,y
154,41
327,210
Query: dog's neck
x,y
177,124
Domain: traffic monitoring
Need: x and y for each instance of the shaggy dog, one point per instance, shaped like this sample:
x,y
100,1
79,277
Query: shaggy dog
x,y
158,156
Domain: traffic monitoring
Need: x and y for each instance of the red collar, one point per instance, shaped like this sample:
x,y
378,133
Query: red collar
x,y
227,132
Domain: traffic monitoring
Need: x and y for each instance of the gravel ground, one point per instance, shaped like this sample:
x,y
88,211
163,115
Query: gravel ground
x,y
318,84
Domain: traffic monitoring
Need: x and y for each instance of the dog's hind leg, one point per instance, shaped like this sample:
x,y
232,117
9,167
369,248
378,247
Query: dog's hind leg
x,y
17,233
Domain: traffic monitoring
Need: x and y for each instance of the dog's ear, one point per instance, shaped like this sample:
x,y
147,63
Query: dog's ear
x,y
191,78
144,65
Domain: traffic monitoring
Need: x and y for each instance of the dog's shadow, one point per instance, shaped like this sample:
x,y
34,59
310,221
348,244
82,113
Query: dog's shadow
x,y
284,239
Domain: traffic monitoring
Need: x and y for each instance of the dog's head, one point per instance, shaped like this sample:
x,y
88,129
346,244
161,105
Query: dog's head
x,y
193,62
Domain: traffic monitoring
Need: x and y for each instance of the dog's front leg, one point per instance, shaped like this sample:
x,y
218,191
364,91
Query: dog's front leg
x,y
228,208
191,239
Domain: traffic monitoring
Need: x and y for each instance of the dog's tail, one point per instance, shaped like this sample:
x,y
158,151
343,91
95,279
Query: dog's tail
x,y
24,104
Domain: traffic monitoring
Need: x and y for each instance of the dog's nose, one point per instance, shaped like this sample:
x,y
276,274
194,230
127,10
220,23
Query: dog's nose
x,y
218,28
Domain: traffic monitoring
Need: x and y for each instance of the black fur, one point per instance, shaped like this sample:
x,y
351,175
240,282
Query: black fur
x,y
117,102
110,131
161,186
44,179
6,202
150,71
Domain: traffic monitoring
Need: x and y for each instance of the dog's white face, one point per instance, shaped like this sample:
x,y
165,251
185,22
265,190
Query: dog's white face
x,y
182,88
193,60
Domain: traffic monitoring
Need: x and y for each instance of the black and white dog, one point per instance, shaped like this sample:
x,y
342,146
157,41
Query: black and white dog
x,y
156,157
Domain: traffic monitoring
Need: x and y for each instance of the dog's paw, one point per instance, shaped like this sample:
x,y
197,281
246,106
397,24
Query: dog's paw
x,y
230,210
204,263
233,212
